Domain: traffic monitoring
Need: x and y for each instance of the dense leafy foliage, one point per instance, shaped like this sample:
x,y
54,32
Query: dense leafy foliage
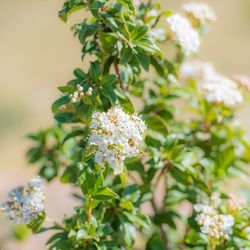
x,y
191,145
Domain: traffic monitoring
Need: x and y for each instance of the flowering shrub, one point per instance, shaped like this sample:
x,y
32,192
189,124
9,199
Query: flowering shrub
x,y
147,178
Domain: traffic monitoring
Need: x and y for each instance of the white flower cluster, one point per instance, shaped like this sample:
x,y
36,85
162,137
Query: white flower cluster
x,y
24,203
116,135
200,11
222,90
78,94
218,226
186,35
216,88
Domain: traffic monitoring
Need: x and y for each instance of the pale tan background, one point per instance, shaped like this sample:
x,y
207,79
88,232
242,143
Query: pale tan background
x,y
38,53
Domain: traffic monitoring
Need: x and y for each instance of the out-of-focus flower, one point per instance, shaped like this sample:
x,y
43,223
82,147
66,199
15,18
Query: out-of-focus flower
x,y
137,2
212,223
116,135
242,80
216,88
197,70
235,203
158,34
221,90
201,12
187,37
25,203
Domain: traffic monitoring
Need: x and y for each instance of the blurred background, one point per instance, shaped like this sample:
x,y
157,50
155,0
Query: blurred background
x,y
38,53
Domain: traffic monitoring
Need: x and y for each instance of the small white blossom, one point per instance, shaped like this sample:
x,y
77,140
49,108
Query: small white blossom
x,y
24,203
89,91
200,11
212,223
116,135
222,90
158,34
186,35
79,87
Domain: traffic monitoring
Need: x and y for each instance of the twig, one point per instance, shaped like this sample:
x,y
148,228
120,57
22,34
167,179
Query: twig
x,y
118,75
89,210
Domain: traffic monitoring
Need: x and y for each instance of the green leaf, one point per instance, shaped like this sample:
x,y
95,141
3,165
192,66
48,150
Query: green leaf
x,y
69,8
104,193
73,134
125,102
58,103
69,175
67,89
155,122
95,70
138,32
85,30
36,224
64,117
133,164
125,204
149,46
155,243
129,4
144,60
139,219
194,238
79,74
108,41
152,142
82,234
126,55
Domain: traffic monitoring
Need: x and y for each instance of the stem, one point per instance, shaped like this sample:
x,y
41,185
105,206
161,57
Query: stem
x,y
163,233
89,209
164,236
162,173
118,75
212,244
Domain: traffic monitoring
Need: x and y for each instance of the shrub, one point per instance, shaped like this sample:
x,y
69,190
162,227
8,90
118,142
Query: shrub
x,y
171,155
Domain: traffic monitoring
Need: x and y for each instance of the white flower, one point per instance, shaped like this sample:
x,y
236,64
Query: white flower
x,y
221,90
186,35
216,88
197,70
201,208
116,135
200,11
213,223
25,203
158,34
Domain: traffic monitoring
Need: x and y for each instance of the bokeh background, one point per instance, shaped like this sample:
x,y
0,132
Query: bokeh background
x,y
38,52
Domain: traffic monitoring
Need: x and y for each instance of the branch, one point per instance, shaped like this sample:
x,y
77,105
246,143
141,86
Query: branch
x,y
117,71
